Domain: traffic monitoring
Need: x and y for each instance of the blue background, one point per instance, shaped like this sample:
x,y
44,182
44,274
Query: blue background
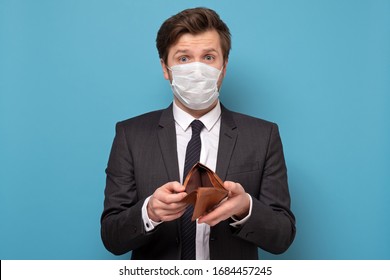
x,y
69,70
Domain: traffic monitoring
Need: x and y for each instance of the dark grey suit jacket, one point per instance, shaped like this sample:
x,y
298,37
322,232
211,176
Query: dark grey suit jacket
x,y
144,157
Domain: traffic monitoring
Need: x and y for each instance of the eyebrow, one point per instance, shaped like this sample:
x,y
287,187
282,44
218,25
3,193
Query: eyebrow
x,y
184,51
180,51
210,50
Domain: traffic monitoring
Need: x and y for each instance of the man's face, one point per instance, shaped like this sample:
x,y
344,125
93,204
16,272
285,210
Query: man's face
x,y
204,47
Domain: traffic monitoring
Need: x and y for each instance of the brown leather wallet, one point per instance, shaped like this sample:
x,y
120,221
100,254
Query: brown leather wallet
x,y
205,190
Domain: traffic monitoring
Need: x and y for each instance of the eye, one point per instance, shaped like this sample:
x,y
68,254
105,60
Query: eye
x,y
183,59
209,57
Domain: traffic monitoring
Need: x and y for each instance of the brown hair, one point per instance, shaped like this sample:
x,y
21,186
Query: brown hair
x,y
193,21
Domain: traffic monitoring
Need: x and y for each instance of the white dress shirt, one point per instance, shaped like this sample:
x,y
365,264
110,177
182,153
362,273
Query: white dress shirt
x,y
208,156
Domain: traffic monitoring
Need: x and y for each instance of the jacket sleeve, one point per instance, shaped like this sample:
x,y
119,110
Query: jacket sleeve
x,y
272,224
122,228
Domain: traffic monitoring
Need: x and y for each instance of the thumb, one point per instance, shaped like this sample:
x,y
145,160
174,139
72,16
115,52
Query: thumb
x,y
175,187
229,185
233,188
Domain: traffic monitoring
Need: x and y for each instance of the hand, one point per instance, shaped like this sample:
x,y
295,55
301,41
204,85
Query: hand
x,y
236,205
164,204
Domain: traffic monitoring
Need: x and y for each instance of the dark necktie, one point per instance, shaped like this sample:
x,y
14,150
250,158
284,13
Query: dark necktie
x,y
188,228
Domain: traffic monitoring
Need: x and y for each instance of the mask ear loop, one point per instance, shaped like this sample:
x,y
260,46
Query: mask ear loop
x,y
220,72
219,75
171,76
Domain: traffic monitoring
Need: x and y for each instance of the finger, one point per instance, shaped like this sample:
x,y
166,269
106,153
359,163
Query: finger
x,y
174,187
233,188
166,217
174,207
171,198
235,205
161,205
217,215
169,193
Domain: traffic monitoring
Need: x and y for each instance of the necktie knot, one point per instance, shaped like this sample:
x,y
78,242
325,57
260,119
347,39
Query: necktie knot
x,y
196,126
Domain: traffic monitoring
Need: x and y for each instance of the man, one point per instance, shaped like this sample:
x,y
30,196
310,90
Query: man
x,y
143,209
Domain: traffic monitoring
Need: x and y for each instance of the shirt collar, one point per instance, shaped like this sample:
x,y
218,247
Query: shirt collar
x,y
184,120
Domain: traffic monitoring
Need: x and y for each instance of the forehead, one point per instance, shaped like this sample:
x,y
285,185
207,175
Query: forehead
x,y
198,42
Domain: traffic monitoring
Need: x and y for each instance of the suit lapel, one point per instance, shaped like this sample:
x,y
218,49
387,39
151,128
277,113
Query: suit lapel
x,y
227,141
167,140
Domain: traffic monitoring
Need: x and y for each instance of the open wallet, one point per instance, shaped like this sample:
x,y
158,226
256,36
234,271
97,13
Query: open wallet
x,y
204,188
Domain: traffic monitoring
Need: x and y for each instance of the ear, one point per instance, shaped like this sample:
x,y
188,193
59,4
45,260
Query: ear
x,y
165,69
223,73
225,64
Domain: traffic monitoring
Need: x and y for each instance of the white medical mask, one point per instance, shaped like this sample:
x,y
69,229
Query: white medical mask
x,y
195,84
